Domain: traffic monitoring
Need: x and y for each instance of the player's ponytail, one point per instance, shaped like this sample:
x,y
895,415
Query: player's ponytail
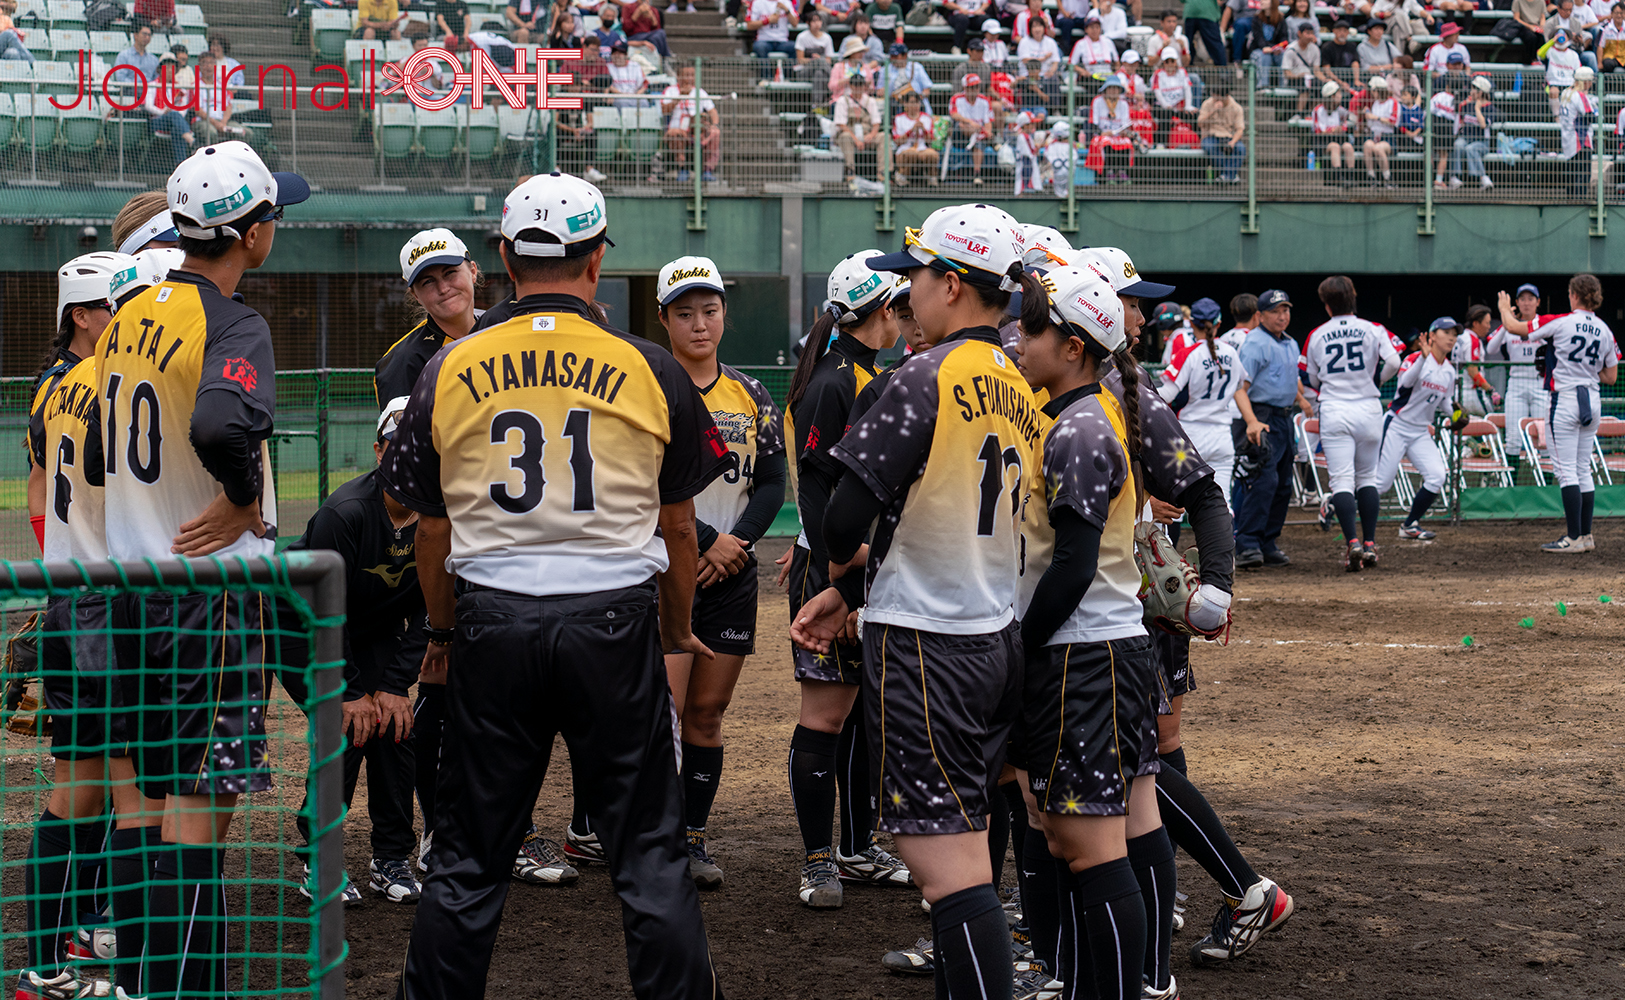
x,y
59,343
1034,305
816,346
1208,337
1129,368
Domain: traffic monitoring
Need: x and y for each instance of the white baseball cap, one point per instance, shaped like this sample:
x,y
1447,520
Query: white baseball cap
x,y
86,280
686,274
1084,304
1060,128
390,418
1168,52
432,246
992,27
223,189
1583,73
899,292
1483,82
855,288
147,268
979,242
1115,266
1023,118
1045,244
1130,56
555,215
160,227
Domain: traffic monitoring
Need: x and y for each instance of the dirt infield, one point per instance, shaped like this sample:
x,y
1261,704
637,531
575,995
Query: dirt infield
x,y
1446,817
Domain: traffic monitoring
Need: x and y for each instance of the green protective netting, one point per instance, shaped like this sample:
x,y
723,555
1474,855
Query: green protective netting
x,y
204,687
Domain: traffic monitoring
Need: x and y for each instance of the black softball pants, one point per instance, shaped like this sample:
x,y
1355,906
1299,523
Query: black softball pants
x,y
524,669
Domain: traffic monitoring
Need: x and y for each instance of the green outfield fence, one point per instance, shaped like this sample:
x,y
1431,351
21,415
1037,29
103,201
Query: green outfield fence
x,y
278,942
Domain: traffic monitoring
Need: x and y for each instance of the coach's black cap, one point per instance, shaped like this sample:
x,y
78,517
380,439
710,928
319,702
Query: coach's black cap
x,y
1272,298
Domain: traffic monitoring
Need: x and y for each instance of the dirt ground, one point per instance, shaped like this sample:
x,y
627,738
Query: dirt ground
x,y
1445,816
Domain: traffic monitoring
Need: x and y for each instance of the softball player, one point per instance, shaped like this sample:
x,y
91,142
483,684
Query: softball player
x,y
1578,350
1478,397
1427,383
440,280
144,223
186,379
1526,394
828,748
508,532
1202,386
939,460
729,516
1340,369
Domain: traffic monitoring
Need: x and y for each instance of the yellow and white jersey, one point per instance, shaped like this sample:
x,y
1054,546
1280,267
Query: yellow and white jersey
x,y
550,442
1085,468
69,449
163,349
751,427
947,447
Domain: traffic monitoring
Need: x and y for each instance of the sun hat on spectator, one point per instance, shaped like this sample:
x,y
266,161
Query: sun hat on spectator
x,y
853,44
1060,129
1483,83
897,49
1585,73
1378,83
1330,88
1093,16
1115,80
1374,23
1450,28
975,45
992,27
972,80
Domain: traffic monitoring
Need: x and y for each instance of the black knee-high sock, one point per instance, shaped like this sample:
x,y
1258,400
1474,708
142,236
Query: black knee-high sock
x,y
1016,809
1343,504
1193,825
1040,898
1419,506
852,781
812,785
972,944
1066,950
130,866
1175,759
48,883
90,864
1153,859
702,769
185,953
1369,500
1109,931
1588,504
998,840
1571,510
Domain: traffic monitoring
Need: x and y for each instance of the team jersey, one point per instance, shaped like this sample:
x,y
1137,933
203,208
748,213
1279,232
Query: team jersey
x,y
163,350
1169,461
1179,343
1201,386
824,411
1469,350
1236,336
69,448
1520,352
551,442
1342,359
1084,466
1393,338
1424,387
751,428
398,370
41,389
1578,345
946,447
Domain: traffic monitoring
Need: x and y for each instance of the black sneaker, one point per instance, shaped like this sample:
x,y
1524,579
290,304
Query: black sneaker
x,y
394,879
1249,559
1275,557
820,883
701,868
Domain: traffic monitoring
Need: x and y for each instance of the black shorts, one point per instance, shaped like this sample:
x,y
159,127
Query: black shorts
x,y
88,696
1174,673
725,613
939,712
1090,709
843,664
205,682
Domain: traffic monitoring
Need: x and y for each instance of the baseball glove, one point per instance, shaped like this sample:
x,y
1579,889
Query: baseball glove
x,y
1169,584
21,708
1250,459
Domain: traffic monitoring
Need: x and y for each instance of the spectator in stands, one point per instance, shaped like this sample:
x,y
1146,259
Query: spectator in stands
x,y
678,103
1027,91
169,126
854,60
857,125
1128,67
1330,123
593,73
138,56
11,39
1449,44
1068,21
1611,40
1577,20
641,22
1269,42
973,116
1223,124
378,18
609,30
565,32
1473,137
961,14
1113,22
626,76
1202,18
1527,25
159,15
913,132
864,32
1111,148
1412,120
1377,54
815,47
1170,33
528,18
1172,96
1442,110
1241,15
975,63
994,48
886,19
451,19
213,118
494,45
1297,13
1093,57
832,11
1340,58
771,20
904,76
1038,59
1562,62
220,48
1301,63
1404,18
1034,8
1381,118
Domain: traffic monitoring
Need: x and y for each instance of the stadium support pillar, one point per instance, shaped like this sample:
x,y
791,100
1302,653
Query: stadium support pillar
x,y
886,161
1249,128
1069,221
696,223
790,260
1599,155
1426,211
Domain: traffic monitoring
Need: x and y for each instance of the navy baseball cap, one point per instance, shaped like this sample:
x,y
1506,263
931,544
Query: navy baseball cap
x,y
1168,314
1444,323
1205,310
1456,57
1272,298
1531,289
897,49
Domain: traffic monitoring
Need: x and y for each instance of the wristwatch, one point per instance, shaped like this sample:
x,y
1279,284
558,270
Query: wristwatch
x,y
440,636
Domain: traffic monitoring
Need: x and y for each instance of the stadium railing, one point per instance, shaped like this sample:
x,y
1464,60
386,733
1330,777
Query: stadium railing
x,y
280,941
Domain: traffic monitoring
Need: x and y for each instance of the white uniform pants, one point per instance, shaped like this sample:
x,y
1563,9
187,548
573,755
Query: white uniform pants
x,y
1573,427
1217,448
1027,173
1401,439
1525,397
1351,438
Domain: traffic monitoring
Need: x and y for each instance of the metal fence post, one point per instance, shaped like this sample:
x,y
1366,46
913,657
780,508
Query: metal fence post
x,y
1426,211
1249,129
696,224
328,603
1069,222
323,375
1599,215
885,224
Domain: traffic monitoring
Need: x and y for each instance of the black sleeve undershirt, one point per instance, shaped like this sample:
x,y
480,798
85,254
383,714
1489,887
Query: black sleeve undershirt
x,y
1215,535
815,489
226,434
851,510
1066,581
766,502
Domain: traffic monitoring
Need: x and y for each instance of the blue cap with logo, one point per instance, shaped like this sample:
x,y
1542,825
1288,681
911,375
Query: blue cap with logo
x,y
1272,298
1531,289
1444,323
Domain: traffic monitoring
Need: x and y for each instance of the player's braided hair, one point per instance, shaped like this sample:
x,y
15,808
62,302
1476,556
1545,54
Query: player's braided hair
x,y
1208,337
59,343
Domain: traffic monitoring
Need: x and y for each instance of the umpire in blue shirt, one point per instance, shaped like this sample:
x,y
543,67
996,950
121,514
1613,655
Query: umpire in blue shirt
x,y
1270,361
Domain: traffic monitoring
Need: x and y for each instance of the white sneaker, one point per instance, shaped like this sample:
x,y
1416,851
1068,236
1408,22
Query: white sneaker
x,y
1455,182
596,176
423,851
1588,543
1485,182
1564,544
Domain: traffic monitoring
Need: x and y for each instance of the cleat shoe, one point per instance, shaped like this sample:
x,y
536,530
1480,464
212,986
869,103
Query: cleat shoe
x,y
916,961
351,893
925,904
1564,544
583,847
1368,553
1328,516
1239,926
873,865
701,868
1035,984
423,852
1587,542
1353,557
541,862
394,880
1180,899
1417,532
93,944
820,882
1149,992
70,985
1021,945
1249,559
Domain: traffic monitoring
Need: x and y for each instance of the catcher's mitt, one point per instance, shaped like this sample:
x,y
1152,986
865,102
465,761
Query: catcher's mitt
x,y
1169,583
21,709
1250,459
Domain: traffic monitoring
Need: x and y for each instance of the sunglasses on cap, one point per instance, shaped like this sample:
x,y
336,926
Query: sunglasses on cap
x,y
274,215
911,238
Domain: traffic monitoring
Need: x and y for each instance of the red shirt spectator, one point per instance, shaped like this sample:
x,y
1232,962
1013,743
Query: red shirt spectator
x,y
638,18
158,13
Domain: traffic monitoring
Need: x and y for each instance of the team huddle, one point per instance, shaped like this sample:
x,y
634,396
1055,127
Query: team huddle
x,y
559,537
